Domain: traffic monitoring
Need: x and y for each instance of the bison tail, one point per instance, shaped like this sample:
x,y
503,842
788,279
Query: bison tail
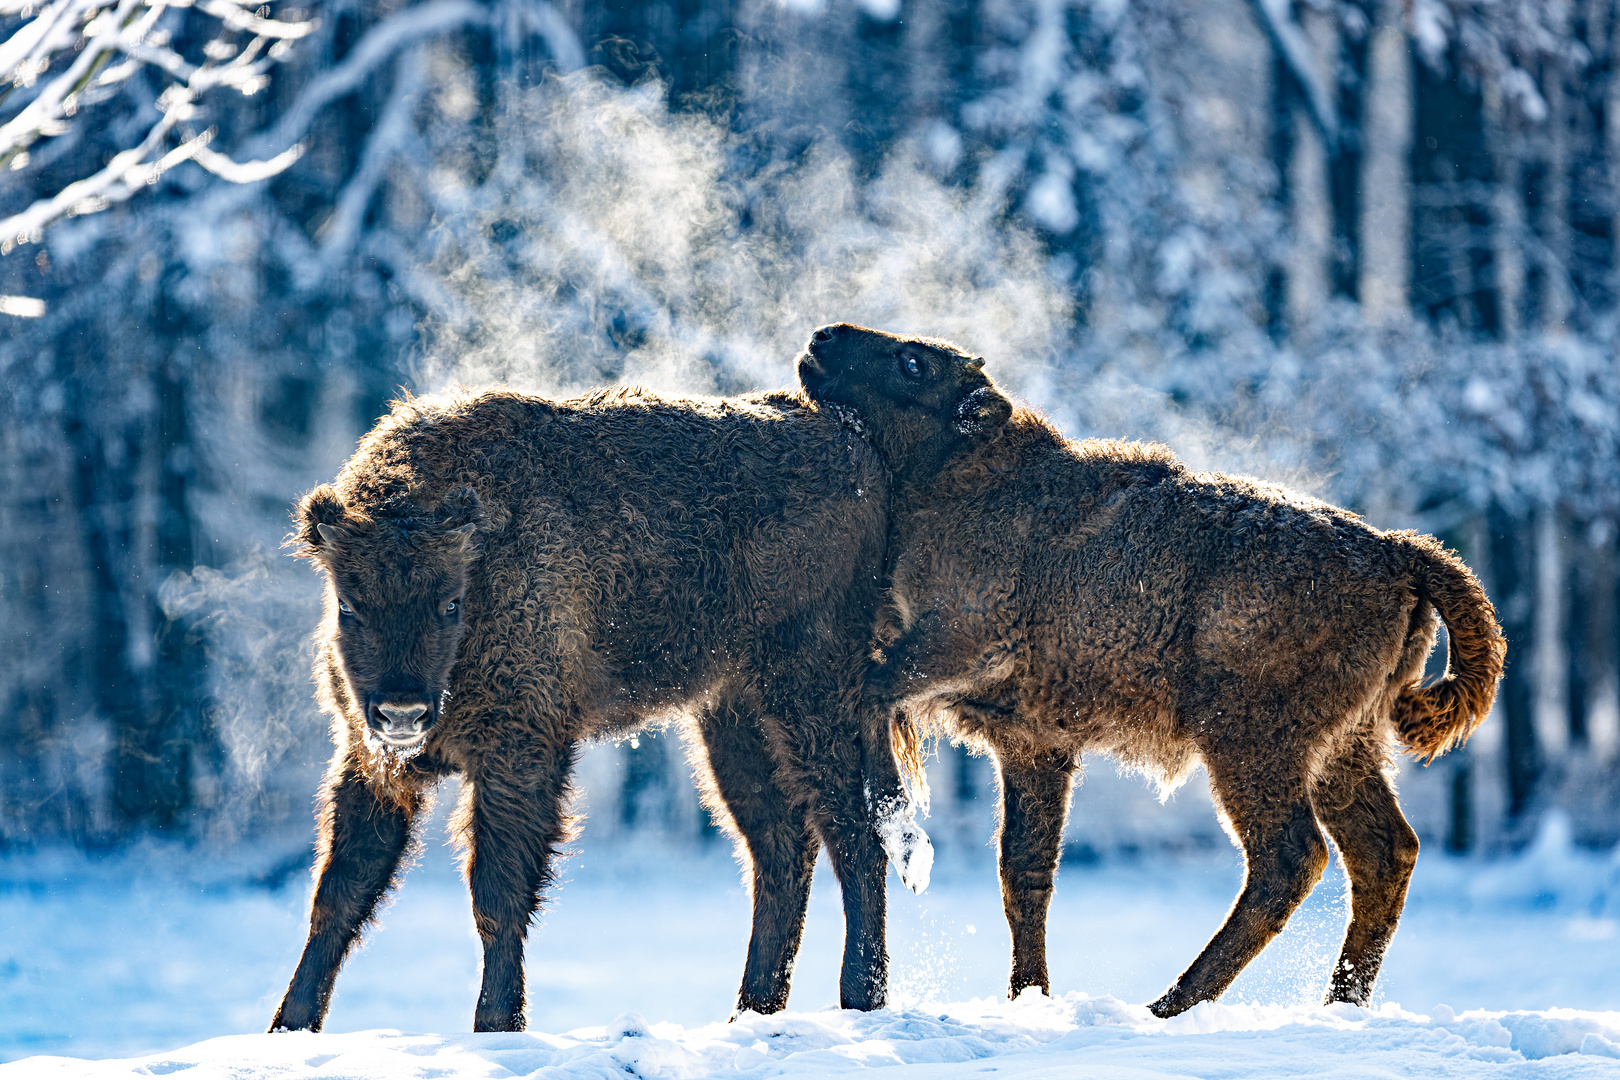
x,y
909,750
1429,720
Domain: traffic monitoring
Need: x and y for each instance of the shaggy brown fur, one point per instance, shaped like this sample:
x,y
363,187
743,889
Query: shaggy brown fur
x,y
1052,597
509,576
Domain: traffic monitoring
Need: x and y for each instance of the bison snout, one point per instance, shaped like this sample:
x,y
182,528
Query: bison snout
x,y
402,721
819,340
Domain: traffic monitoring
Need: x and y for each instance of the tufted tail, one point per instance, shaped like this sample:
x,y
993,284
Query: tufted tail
x,y
1433,719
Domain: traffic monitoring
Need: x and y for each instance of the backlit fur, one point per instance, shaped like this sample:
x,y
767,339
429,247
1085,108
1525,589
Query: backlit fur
x,y
541,573
1052,597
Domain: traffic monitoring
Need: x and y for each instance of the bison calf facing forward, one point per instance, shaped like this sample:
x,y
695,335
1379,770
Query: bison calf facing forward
x,y
509,576
1052,597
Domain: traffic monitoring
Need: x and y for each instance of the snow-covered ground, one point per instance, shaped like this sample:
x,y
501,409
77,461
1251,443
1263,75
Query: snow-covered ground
x,y
1496,964
1037,1037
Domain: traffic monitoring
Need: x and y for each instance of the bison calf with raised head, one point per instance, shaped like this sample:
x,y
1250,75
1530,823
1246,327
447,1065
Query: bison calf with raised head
x,y
509,576
1052,597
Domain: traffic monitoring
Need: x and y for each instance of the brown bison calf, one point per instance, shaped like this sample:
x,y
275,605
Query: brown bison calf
x,y
509,576
1052,597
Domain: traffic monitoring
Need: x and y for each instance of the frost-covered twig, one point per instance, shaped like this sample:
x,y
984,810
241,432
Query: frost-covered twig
x,y
379,44
94,33
392,131
128,173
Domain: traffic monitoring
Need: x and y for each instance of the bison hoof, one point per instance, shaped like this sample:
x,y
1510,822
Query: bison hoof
x,y
907,846
1168,1006
292,1019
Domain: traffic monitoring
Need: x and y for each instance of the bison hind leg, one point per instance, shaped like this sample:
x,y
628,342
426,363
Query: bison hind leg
x,y
1356,804
1266,804
776,845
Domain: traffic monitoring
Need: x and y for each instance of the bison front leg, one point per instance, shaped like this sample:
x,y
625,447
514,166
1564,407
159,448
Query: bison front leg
x,y
512,821
362,837
1034,803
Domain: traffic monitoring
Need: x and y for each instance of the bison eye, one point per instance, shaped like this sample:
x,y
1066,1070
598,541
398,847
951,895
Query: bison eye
x,y
450,607
912,366
345,608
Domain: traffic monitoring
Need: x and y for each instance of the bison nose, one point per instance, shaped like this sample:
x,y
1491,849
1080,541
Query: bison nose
x,y
401,715
824,335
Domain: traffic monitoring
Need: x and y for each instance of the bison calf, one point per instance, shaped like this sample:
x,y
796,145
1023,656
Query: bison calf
x,y
509,576
1052,597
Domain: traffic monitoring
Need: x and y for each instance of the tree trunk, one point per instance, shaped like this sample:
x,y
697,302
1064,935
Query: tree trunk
x,y
1386,211
1513,565
1557,300
1552,660
1310,193
1507,214
179,675
103,491
1594,681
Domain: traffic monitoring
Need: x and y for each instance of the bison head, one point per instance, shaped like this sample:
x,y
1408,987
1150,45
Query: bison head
x,y
919,400
395,585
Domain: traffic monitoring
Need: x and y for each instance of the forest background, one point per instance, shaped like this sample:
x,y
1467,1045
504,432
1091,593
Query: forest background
x,y
1364,247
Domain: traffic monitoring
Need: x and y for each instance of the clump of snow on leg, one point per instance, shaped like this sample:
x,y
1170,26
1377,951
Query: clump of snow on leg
x,y
906,844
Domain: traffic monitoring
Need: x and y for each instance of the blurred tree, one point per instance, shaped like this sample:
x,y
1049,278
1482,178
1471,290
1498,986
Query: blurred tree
x,y
1369,246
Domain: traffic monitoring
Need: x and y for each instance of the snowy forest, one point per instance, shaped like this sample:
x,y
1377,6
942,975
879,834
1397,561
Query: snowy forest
x,y
1368,248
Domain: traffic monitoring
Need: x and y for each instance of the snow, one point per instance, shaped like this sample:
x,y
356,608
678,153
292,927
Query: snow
x,y
906,844
1500,967
1032,1037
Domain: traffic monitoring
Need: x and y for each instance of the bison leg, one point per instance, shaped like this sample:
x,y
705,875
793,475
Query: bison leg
x,y
822,759
781,850
1284,855
858,860
362,839
1034,803
512,820
848,817
1379,849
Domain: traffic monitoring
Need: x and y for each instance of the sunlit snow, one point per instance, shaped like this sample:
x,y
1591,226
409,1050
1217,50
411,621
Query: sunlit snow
x,y
1500,966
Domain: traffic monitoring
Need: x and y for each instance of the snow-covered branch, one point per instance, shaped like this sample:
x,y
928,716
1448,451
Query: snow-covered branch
x,y
98,45
380,44
1294,49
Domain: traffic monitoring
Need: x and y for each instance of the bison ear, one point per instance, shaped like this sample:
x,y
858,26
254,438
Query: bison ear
x,y
983,412
318,516
462,508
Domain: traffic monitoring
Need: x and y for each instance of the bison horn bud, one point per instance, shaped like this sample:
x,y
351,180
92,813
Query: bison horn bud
x,y
982,411
974,363
331,535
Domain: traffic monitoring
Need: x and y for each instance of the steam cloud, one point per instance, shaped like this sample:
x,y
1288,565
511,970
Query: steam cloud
x,y
619,241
